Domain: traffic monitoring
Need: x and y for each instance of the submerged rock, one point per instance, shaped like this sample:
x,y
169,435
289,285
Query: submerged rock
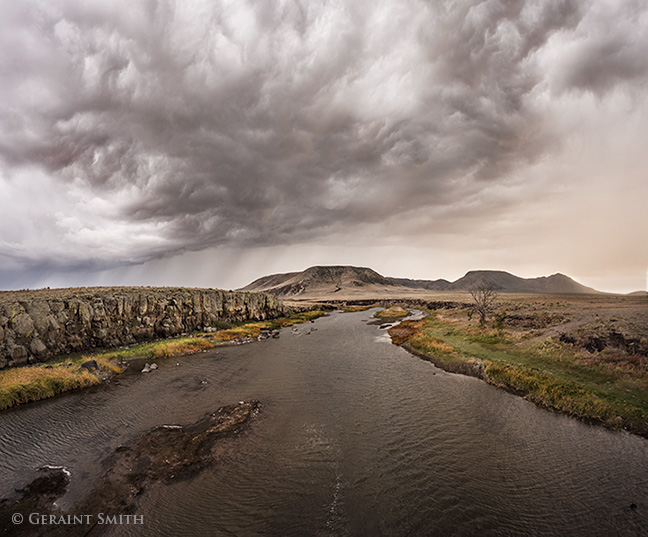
x,y
165,453
37,497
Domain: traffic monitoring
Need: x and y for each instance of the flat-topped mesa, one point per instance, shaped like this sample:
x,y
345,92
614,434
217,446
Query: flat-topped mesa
x,y
331,282
502,281
38,325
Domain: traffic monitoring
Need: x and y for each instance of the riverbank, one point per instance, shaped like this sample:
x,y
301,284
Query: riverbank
x,y
20,385
551,373
392,312
355,437
38,325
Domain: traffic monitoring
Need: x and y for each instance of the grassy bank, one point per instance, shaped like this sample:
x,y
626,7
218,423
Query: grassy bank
x,y
32,383
546,372
353,309
393,312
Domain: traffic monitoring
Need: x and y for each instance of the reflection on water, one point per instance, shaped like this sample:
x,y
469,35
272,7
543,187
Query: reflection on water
x,y
355,437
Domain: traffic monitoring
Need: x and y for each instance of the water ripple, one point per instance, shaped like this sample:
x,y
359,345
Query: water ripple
x,y
355,437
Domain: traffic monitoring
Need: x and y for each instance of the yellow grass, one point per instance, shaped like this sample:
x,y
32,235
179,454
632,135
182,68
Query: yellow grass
x,y
552,378
391,313
31,383
352,309
24,384
431,344
175,348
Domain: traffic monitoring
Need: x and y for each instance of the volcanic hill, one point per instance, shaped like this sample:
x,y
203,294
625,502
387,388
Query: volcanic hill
x,y
327,282
348,281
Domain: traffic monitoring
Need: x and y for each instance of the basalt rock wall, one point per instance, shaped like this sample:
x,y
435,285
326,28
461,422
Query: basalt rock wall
x,y
38,325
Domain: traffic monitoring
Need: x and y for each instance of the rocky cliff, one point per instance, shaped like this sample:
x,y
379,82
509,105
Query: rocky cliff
x,y
38,325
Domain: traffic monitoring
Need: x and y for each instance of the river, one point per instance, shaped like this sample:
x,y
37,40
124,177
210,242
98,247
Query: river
x,y
355,437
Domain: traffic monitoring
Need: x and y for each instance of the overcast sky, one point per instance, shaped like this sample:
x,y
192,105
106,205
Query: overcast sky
x,y
207,143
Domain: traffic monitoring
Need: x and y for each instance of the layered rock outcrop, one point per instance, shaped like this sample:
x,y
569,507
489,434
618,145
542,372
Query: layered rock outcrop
x,y
38,325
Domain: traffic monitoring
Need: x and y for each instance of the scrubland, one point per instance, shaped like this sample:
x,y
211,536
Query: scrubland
x,y
586,356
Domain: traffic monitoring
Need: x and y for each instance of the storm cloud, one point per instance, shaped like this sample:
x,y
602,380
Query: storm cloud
x,y
130,131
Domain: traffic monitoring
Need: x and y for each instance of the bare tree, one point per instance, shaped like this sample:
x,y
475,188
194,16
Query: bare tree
x,y
484,297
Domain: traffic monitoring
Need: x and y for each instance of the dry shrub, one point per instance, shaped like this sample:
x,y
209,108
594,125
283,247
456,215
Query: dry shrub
x,y
391,313
404,331
631,363
174,348
25,384
431,344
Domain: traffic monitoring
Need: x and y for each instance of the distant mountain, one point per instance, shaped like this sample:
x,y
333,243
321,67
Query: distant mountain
x,y
324,281
434,285
638,293
332,281
502,281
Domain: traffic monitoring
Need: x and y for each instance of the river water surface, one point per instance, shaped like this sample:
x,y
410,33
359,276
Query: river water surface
x,y
355,437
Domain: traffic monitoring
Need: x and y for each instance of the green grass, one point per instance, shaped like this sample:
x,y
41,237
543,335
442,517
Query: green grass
x,y
297,318
20,385
550,374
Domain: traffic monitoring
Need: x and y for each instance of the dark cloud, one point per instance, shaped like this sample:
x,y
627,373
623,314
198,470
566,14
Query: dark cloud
x,y
177,126
608,50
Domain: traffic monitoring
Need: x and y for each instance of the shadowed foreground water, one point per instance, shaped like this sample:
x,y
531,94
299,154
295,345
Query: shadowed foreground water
x,y
355,437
